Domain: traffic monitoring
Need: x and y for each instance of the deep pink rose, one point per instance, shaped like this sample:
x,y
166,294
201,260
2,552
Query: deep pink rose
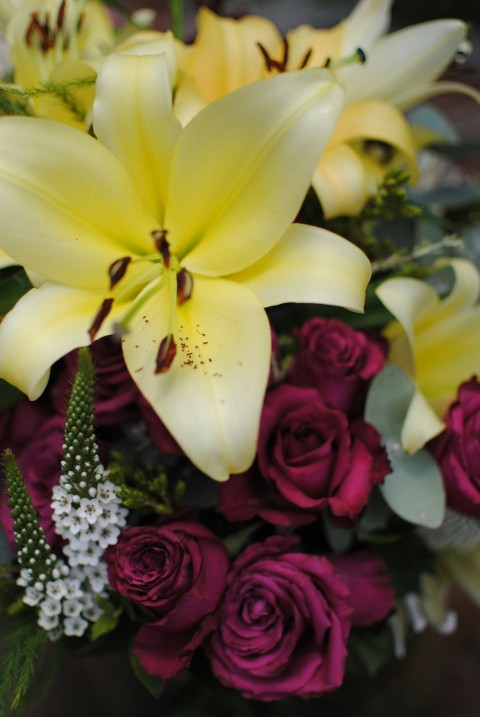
x,y
371,594
175,573
337,361
21,422
39,461
309,458
115,392
283,624
457,450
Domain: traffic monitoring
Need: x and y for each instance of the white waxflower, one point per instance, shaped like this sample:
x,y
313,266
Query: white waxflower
x,y
106,491
72,588
48,622
72,608
32,597
72,523
74,626
51,607
62,501
90,509
56,589
93,612
108,536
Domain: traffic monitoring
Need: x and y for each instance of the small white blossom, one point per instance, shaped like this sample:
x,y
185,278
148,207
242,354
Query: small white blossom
x,y
74,522
56,589
108,536
48,622
106,492
62,501
32,597
93,612
72,608
72,588
50,606
74,626
90,509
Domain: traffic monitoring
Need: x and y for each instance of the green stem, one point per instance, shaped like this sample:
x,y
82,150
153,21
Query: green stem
x,y
177,18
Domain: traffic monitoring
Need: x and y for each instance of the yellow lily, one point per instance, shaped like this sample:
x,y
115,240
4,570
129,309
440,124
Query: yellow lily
x,y
176,239
373,135
59,40
436,342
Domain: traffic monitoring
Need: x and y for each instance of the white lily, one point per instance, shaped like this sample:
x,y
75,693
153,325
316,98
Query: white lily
x,y
193,229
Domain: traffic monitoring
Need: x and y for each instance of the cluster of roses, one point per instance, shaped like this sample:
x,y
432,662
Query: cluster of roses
x,y
276,621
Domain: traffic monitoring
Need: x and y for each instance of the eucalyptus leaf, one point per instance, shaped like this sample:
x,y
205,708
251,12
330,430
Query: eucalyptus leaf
x,y
414,489
458,532
339,539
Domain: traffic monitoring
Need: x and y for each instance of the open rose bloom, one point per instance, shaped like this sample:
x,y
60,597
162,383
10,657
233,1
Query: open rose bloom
x,y
239,419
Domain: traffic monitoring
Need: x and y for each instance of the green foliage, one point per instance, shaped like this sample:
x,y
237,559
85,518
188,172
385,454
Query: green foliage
x,y
20,648
373,647
414,489
33,550
154,685
14,283
390,203
144,488
14,99
108,621
80,447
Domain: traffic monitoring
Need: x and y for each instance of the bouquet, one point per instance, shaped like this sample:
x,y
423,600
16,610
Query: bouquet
x,y
239,349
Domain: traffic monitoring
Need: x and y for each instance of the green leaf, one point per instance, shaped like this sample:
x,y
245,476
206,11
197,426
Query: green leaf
x,y
154,685
108,621
373,647
340,540
9,395
12,287
414,489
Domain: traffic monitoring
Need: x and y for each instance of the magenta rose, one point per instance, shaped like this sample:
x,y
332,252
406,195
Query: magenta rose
x,y
39,461
309,458
115,392
371,595
457,450
19,423
283,624
337,361
175,573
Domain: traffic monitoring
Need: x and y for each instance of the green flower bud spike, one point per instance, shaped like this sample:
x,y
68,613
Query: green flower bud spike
x,y
34,553
81,459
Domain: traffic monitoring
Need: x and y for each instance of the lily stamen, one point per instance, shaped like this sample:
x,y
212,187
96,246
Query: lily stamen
x,y
358,56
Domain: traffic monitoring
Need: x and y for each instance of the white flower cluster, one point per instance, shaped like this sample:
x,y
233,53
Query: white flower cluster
x,y
67,600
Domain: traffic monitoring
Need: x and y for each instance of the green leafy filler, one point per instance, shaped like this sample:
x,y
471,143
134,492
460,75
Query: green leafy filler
x,y
144,487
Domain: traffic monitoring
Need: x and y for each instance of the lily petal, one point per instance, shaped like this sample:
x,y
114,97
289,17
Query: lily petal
x,y
421,424
367,22
134,101
341,182
437,343
69,209
235,42
210,398
413,95
249,182
412,56
37,333
309,265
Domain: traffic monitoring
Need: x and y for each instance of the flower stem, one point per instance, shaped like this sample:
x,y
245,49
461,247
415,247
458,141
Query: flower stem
x,y
177,18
